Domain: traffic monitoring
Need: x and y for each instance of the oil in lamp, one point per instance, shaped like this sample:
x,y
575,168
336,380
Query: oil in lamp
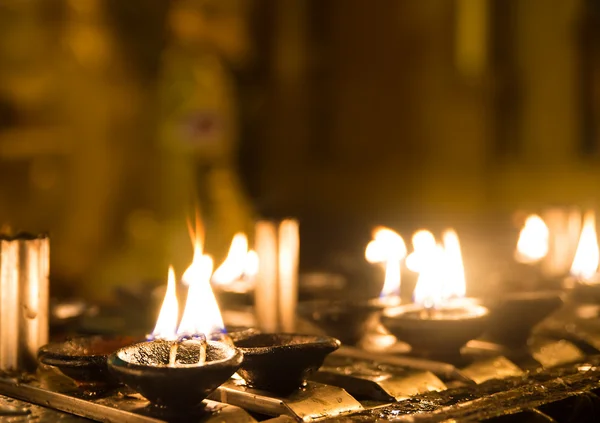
x,y
181,364
440,320
349,320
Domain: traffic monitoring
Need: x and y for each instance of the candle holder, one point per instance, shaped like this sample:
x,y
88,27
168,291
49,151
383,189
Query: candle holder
x,y
436,333
84,359
281,363
513,317
346,320
172,373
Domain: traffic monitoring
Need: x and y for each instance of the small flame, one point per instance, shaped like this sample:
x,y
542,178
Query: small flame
x,y
441,272
166,324
587,256
201,314
424,245
532,245
387,247
240,263
456,285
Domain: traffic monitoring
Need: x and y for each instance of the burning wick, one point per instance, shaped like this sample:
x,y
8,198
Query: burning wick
x,y
173,354
195,341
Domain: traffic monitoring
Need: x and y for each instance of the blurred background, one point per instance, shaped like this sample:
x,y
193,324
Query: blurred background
x,y
118,118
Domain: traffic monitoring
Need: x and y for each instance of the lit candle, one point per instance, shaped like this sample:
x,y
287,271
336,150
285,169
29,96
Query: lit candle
x,y
266,290
289,248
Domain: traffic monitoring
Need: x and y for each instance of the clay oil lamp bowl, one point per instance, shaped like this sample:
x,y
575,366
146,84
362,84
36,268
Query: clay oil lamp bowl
x,y
437,333
84,359
175,374
513,317
280,363
346,320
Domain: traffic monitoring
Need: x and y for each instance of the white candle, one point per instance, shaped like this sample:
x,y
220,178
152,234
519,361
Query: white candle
x,y
9,300
265,293
289,247
33,318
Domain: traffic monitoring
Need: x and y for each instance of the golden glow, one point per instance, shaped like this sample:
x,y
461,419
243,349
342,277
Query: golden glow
x,y
424,244
585,263
240,262
441,272
532,245
387,247
166,324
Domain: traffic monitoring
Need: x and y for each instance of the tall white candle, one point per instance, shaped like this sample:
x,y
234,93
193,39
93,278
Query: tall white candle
x,y
289,247
33,298
266,290
9,304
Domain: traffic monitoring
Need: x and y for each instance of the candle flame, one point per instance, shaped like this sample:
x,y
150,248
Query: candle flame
x,y
201,314
166,324
456,285
389,248
239,264
587,256
424,245
441,271
534,237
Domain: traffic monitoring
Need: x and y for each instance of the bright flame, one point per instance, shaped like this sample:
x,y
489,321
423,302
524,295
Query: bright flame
x,y
166,324
441,275
587,256
387,247
240,263
201,314
424,245
429,289
532,245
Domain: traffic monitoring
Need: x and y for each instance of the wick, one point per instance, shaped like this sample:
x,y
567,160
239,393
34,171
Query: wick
x,y
202,349
173,354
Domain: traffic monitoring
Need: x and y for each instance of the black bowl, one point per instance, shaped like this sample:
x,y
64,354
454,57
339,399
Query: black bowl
x,y
83,359
513,317
144,367
281,363
438,337
346,320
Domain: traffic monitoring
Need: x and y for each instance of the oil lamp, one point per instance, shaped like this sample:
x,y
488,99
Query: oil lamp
x,y
349,320
441,320
83,359
514,314
181,364
281,363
